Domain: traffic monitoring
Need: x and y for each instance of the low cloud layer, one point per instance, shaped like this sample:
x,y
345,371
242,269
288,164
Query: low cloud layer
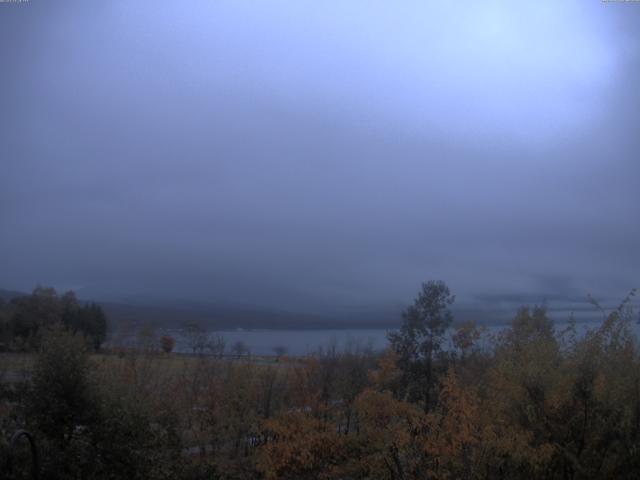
x,y
318,157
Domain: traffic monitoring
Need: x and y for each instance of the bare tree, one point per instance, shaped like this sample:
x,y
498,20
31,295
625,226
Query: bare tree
x,y
197,338
239,348
216,345
280,351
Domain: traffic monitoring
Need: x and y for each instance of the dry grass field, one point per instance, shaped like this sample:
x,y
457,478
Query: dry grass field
x,y
16,367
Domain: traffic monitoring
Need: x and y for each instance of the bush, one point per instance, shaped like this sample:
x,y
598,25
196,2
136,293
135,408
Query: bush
x,y
167,343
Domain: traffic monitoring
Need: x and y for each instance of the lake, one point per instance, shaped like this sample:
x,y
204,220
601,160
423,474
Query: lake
x,y
301,342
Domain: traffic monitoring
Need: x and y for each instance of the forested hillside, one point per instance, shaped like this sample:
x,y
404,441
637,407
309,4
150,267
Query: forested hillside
x,y
536,403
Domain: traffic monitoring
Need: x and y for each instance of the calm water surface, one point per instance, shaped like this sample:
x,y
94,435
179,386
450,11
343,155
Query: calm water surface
x,y
302,342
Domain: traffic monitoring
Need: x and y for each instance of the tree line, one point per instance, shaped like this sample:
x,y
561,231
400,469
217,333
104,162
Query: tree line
x,y
532,401
24,318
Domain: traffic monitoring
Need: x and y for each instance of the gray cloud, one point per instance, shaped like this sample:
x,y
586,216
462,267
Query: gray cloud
x,y
317,157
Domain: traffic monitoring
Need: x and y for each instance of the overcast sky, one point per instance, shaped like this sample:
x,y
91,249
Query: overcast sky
x,y
319,155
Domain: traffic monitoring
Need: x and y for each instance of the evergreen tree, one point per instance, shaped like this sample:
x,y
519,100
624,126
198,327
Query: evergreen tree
x,y
420,339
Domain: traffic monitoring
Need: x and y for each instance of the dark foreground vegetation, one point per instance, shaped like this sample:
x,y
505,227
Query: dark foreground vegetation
x,y
24,318
532,403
